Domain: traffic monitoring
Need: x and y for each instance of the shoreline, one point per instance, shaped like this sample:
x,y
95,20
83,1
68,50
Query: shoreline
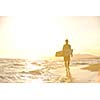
x,y
79,75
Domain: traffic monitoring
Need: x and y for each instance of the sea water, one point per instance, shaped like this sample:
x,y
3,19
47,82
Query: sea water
x,y
25,70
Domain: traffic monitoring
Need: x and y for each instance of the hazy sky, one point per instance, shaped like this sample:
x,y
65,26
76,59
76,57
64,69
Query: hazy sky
x,y
35,36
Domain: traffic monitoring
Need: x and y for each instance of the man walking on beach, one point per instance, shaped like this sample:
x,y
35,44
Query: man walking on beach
x,y
67,53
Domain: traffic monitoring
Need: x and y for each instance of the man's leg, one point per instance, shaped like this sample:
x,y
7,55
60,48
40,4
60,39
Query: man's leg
x,y
68,75
67,63
67,66
66,59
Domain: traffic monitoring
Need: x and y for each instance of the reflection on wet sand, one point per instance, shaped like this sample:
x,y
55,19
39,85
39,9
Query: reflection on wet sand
x,y
66,79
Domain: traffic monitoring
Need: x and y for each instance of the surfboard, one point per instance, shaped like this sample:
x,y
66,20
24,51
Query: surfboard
x,y
61,54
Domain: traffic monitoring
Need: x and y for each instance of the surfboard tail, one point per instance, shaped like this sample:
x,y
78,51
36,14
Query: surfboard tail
x,y
59,54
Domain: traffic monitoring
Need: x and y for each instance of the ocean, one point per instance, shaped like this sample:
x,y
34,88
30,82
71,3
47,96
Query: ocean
x,y
44,70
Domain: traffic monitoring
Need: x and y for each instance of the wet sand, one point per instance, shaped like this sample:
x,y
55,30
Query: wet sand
x,y
79,74
94,68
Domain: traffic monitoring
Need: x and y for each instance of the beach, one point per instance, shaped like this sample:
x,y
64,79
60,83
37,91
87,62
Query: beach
x,y
78,75
82,71
49,70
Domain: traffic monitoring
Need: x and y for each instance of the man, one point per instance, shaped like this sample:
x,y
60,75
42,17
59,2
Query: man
x,y
67,53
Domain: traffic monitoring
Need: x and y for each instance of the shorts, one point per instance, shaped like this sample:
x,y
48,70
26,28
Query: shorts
x,y
67,58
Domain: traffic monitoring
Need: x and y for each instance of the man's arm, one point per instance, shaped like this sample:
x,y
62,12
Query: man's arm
x,y
71,51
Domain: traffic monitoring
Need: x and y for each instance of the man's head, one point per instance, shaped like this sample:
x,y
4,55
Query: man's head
x,y
66,41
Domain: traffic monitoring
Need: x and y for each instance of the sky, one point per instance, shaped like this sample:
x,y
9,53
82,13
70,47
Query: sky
x,y
41,36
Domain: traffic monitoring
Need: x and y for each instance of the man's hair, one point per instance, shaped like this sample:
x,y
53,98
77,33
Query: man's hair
x,y
66,40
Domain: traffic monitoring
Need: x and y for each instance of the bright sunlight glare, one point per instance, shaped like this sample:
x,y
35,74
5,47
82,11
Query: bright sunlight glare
x,y
40,36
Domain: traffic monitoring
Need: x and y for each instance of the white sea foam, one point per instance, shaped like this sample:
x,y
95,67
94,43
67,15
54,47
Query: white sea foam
x,y
49,70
